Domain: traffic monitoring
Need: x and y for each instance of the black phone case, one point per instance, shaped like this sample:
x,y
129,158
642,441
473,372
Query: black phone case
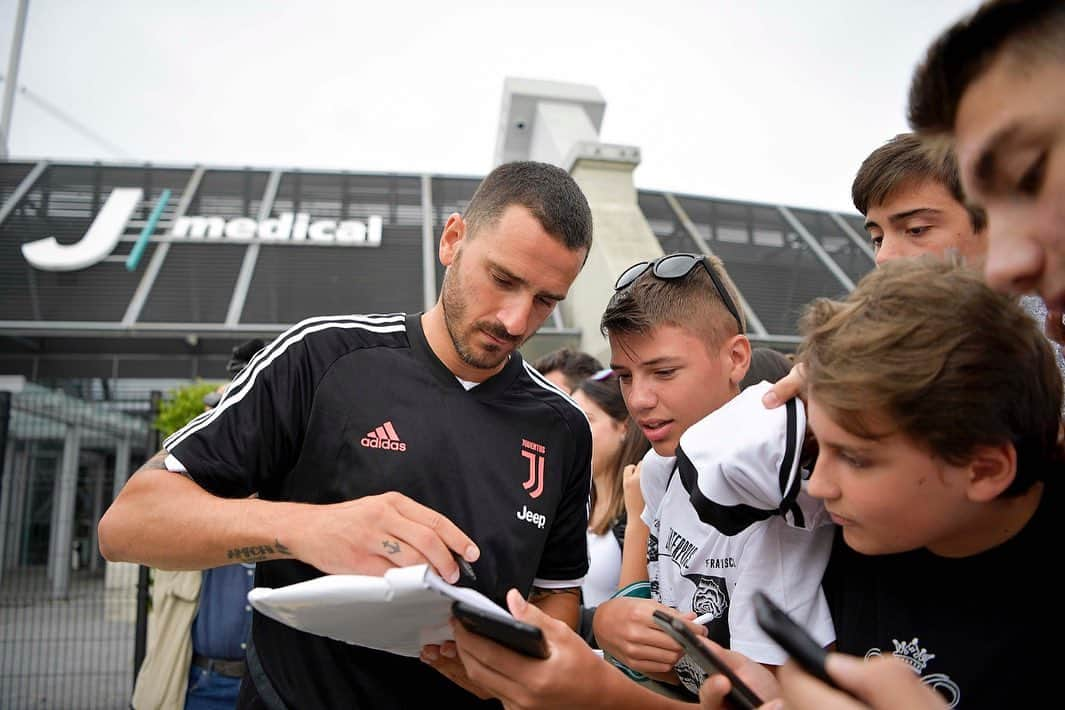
x,y
514,634
792,638
741,696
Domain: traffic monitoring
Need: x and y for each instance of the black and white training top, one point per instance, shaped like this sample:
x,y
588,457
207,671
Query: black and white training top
x,y
348,406
729,516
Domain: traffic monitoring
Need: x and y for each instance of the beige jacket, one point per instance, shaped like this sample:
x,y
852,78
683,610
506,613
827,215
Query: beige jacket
x,y
164,675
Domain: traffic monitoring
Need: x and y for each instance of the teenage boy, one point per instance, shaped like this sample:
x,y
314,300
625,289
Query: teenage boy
x,y
911,197
723,490
993,85
910,193
382,441
936,405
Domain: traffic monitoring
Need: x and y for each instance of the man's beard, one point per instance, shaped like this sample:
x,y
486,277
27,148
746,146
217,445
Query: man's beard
x,y
455,311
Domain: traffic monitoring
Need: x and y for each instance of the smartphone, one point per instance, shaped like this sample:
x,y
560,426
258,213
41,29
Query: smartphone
x,y
792,638
514,634
740,696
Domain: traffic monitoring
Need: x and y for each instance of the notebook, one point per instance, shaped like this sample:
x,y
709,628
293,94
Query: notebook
x,y
400,612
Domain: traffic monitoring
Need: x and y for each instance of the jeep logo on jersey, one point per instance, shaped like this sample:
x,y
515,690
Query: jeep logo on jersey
x,y
535,453
110,223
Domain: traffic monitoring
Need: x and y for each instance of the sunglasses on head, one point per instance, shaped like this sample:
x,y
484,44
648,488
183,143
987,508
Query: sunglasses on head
x,y
677,266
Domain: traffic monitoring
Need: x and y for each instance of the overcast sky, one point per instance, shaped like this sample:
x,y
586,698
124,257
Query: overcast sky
x,y
765,100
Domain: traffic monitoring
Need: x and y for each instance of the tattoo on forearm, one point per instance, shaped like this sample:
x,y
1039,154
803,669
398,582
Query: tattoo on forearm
x,y
539,593
391,547
258,553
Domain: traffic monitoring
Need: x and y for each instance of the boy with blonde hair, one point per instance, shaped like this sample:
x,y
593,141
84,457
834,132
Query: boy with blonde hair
x,y
936,405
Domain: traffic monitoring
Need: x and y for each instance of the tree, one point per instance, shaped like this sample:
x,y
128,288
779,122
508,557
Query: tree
x,y
181,405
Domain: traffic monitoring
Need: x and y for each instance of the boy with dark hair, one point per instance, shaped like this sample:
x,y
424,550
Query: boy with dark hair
x,y
723,487
911,197
936,406
993,85
567,367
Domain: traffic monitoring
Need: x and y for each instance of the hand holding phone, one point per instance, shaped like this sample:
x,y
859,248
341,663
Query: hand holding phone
x,y
792,638
515,635
740,696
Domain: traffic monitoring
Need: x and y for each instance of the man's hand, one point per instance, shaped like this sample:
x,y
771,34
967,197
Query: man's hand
x,y
445,658
879,683
757,677
625,629
572,675
374,534
787,387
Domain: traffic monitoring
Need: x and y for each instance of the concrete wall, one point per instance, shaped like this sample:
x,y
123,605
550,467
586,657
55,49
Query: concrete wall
x,y
622,237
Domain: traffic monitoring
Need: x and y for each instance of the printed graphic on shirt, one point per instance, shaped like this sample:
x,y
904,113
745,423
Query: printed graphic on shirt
x,y
535,453
917,659
383,437
532,517
711,596
680,549
689,674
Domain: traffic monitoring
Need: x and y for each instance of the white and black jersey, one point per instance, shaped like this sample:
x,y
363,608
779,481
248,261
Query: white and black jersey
x,y
339,408
728,516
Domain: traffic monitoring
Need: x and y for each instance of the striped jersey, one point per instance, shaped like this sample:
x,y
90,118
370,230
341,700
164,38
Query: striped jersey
x,y
342,407
729,516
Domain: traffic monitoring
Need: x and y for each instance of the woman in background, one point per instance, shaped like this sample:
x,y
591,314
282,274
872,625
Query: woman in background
x,y
616,443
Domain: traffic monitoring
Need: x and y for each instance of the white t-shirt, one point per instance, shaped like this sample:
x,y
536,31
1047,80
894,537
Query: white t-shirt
x,y
604,568
729,516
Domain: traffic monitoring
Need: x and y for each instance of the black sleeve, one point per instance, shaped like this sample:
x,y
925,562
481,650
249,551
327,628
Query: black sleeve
x,y
252,438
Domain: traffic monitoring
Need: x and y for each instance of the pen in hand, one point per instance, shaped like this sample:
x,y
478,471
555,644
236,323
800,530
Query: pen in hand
x,y
465,569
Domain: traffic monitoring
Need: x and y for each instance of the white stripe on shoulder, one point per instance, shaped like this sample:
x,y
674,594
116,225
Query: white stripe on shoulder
x,y
242,384
799,433
549,385
558,583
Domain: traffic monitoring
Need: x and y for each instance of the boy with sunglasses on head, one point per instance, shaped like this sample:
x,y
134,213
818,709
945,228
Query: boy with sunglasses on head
x,y
723,487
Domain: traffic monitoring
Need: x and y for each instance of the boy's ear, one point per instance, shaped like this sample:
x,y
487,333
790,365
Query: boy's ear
x,y
991,471
453,234
738,350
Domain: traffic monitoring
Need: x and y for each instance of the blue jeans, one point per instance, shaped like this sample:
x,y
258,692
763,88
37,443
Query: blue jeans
x,y
210,691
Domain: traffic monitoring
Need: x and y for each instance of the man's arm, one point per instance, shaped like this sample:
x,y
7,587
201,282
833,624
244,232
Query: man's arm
x,y
165,519
562,604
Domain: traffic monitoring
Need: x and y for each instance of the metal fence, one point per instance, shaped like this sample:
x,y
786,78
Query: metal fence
x,y
68,618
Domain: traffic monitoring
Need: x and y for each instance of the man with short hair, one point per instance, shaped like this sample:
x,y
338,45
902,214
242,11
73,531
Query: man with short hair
x,y
384,441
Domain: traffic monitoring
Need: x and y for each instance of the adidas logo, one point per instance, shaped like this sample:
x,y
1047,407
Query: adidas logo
x,y
383,437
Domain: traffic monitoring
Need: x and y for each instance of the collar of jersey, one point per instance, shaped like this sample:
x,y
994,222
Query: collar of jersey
x,y
488,389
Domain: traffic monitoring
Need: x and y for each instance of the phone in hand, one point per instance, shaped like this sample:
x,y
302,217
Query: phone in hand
x,y
792,638
515,635
741,696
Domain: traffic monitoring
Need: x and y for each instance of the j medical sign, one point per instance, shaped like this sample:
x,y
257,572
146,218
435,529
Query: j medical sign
x,y
110,223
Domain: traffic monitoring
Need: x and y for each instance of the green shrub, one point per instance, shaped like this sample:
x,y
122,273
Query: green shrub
x,y
181,405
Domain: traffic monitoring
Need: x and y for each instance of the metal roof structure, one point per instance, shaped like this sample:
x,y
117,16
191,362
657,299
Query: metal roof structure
x,y
207,257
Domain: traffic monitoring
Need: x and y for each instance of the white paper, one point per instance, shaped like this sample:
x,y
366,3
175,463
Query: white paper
x,y
400,612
